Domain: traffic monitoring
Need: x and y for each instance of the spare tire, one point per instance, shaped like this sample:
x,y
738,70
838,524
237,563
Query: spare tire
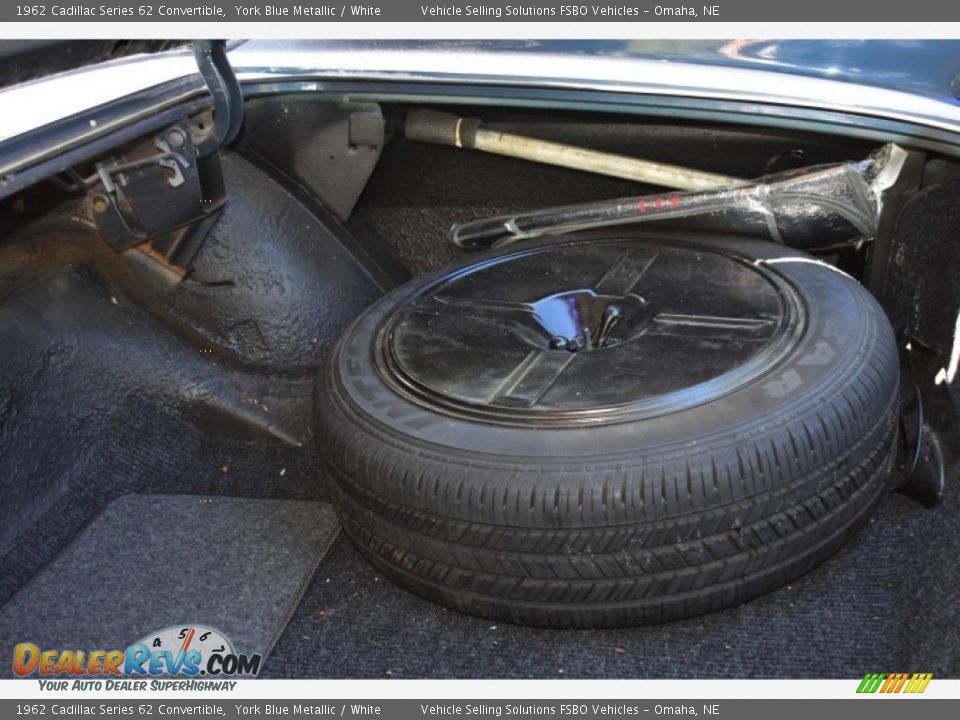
x,y
594,432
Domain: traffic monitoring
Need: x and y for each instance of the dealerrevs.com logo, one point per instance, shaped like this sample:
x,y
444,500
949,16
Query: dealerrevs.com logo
x,y
891,683
187,651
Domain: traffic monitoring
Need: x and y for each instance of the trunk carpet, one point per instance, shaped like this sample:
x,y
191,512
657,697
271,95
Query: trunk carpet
x,y
149,562
887,602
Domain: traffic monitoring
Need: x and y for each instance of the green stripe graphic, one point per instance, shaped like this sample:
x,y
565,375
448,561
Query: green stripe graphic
x,y
871,682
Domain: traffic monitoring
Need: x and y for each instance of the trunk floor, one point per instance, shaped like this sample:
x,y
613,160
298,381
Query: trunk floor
x,y
886,602
151,562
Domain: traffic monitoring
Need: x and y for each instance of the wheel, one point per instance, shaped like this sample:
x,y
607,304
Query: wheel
x,y
597,432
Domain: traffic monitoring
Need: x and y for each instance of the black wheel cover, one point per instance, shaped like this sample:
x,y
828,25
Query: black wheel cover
x,y
588,333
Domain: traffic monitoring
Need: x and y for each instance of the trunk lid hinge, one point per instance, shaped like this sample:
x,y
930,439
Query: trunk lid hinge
x,y
165,194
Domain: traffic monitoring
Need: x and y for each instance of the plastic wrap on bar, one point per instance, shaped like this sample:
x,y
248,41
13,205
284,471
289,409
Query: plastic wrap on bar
x,y
808,207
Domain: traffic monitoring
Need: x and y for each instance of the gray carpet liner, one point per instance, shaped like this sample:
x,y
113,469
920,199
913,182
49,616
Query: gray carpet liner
x,y
148,562
888,599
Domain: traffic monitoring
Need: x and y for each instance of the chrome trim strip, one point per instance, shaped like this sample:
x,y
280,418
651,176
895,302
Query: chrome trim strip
x,y
799,119
314,60
67,111
48,100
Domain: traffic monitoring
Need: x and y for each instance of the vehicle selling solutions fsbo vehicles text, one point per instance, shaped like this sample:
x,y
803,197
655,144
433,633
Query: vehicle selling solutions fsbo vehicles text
x,y
562,11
